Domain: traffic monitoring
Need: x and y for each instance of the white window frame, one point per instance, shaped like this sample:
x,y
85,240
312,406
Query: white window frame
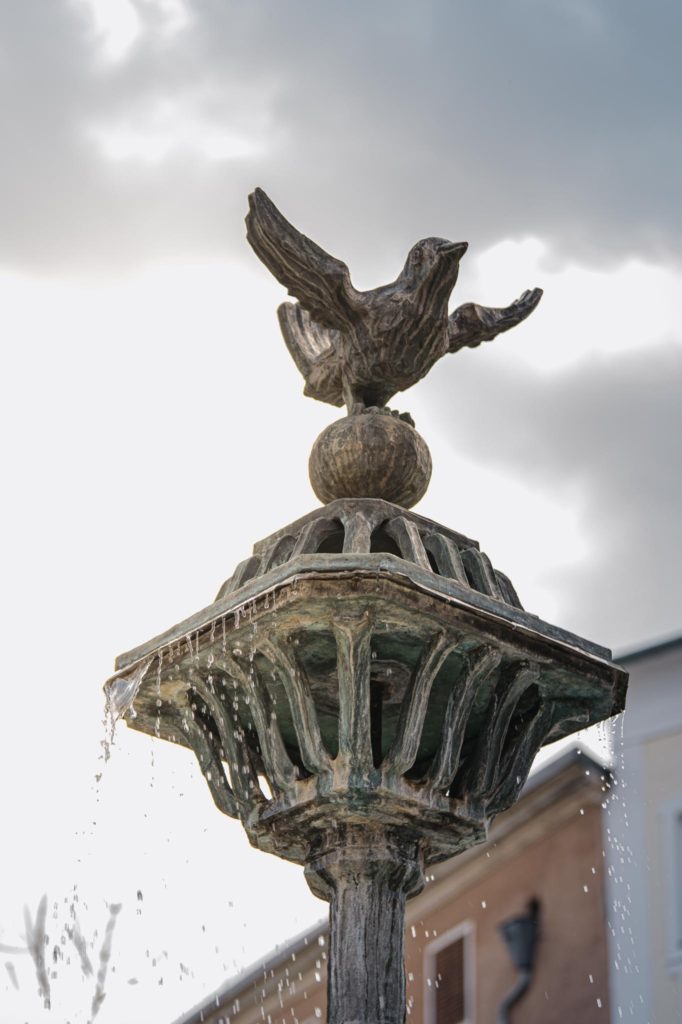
x,y
467,931
671,812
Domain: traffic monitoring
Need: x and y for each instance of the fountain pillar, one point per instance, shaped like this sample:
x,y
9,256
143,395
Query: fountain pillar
x,y
366,877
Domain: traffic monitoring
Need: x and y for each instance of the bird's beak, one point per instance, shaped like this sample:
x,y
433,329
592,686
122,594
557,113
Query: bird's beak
x,y
456,249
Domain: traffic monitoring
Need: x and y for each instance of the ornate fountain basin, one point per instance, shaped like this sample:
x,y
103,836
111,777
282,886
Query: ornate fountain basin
x,y
365,666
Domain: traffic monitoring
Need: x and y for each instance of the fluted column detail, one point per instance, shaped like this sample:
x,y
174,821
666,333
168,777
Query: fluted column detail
x,y
367,877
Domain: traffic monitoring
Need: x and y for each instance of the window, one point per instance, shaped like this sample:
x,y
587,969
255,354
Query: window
x,y
448,973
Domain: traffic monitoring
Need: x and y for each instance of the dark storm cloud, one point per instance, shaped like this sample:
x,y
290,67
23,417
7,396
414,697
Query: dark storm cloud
x,y
605,438
382,122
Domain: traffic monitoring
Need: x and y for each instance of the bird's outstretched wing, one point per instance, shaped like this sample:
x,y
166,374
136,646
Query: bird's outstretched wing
x,y
469,325
319,281
314,349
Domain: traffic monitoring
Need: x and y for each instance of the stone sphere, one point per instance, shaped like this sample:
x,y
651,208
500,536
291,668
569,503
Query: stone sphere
x,y
371,454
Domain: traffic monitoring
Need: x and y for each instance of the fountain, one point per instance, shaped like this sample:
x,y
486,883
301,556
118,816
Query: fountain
x,y
366,692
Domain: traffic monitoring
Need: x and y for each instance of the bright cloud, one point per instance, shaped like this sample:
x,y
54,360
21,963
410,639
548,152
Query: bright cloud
x,y
585,311
118,25
169,127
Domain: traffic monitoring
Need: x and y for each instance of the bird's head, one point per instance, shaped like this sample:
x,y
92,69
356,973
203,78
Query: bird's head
x,y
434,261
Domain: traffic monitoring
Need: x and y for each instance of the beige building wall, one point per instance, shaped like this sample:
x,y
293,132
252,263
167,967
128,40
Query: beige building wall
x,y
662,776
552,853
643,842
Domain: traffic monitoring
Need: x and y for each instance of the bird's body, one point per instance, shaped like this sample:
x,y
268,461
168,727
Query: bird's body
x,y
362,347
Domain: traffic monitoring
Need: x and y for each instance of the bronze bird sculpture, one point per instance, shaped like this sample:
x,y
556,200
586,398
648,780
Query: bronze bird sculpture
x,y
360,348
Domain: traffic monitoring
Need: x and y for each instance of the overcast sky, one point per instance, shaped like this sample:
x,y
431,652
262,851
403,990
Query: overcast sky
x,y
155,426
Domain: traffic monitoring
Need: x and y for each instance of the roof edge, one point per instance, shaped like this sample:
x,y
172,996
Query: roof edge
x,y
236,984
655,647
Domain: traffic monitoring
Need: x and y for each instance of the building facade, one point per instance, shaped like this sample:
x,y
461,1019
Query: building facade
x,y
644,842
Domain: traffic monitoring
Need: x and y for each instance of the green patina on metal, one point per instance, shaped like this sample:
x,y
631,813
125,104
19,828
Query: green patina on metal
x,y
272,654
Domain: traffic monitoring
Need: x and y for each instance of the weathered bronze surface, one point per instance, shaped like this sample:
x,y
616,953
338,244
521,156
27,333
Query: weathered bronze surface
x,y
360,348
378,455
366,692
371,665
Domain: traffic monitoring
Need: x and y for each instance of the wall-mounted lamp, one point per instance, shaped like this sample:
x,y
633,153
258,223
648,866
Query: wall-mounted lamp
x,y
521,937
